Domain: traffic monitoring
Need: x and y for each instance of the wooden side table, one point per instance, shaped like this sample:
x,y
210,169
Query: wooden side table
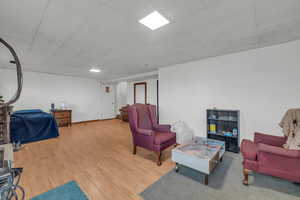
x,y
62,117
124,113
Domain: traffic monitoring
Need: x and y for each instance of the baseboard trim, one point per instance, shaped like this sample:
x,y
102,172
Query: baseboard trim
x,y
88,121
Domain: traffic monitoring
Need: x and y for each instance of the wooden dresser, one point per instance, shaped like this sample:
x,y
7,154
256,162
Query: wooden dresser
x,y
62,117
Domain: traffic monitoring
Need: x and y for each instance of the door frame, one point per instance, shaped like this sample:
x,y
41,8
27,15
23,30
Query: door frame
x,y
157,100
134,88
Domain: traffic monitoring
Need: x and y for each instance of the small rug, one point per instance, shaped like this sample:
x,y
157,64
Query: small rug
x,y
225,183
68,191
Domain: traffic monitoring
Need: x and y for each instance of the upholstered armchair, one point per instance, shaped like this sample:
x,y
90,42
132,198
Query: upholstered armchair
x,y
146,132
266,155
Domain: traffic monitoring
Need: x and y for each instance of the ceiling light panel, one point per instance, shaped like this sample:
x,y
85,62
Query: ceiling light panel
x,y
154,20
95,70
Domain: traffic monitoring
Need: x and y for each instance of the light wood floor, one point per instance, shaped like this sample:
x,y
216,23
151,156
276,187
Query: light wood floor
x,y
97,155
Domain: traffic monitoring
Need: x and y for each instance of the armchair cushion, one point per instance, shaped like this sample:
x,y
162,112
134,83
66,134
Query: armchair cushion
x,y
145,131
161,138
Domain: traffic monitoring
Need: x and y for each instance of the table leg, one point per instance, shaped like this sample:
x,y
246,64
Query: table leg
x,y
159,158
206,179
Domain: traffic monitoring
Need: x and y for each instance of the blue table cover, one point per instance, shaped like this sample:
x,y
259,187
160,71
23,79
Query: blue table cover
x,y
32,125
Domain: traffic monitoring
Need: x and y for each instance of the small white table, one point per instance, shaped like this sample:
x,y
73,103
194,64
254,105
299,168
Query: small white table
x,y
202,154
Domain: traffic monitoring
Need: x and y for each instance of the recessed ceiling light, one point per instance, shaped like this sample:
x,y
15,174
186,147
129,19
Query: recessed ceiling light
x,y
154,20
95,70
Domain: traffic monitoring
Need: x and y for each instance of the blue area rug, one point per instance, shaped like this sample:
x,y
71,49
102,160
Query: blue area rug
x,y
68,191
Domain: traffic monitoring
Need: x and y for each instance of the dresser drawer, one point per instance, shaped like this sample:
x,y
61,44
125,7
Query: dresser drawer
x,y
62,115
63,122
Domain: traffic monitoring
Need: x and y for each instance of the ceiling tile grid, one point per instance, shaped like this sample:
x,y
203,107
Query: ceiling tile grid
x,y
68,37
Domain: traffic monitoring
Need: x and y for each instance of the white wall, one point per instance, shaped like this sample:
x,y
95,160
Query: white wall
x,y
40,90
261,83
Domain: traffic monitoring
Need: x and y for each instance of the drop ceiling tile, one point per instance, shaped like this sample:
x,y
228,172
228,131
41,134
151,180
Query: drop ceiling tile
x,y
280,33
277,21
20,19
76,34
63,19
276,12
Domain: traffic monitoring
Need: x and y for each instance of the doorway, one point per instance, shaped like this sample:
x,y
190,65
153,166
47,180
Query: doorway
x,y
140,93
108,102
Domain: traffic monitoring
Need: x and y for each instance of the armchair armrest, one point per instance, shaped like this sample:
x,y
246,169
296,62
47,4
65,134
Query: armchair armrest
x,y
269,139
145,132
249,150
162,128
278,151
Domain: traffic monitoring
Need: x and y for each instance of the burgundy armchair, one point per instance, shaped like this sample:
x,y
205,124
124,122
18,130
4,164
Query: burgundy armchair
x,y
266,155
146,132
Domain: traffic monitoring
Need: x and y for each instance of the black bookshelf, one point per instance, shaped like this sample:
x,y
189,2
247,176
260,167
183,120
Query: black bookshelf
x,y
224,125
